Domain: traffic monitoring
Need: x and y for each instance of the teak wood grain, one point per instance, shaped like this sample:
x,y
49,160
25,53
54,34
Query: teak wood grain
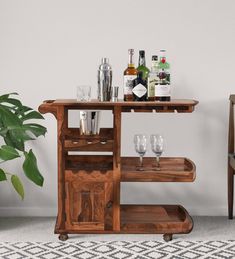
x,y
89,145
171,170
178,105
89,185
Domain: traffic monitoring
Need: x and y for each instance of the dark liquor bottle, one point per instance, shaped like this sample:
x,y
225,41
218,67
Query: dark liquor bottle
x,y
142,65
140,88
163,87
130,75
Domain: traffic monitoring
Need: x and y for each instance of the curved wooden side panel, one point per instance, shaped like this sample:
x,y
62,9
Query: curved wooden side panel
x,y
47,107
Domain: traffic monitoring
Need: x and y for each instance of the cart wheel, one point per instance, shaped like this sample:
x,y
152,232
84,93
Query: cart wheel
x,y
167,237
63,237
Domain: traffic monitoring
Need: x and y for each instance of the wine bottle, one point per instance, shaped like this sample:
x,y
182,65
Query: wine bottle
x,y
153,78
140,88
163,87
130,75
142,65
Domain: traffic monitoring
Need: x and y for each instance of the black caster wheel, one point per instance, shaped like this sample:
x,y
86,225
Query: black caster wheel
x,y
167,237
63,237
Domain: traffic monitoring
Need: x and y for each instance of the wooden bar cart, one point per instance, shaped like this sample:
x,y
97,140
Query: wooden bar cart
x,y
89,185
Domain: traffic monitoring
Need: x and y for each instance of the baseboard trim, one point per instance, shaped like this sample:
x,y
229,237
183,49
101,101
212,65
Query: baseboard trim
x,y
52,211
27,212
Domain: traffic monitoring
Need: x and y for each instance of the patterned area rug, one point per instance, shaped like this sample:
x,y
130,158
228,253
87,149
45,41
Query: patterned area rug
x,y
176,249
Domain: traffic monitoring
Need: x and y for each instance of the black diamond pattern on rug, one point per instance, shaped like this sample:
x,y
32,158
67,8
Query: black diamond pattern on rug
x,y
176,249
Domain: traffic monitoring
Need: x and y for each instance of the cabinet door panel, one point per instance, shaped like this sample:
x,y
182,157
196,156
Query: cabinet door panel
x,y
86,205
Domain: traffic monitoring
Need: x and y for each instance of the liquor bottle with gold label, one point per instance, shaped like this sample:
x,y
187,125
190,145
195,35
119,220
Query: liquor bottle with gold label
x,y
130,74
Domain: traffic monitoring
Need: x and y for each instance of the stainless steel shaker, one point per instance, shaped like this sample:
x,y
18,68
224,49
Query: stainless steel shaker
x,y
104,81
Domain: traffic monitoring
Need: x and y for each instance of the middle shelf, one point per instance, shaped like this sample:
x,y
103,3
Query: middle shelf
x,y
173,169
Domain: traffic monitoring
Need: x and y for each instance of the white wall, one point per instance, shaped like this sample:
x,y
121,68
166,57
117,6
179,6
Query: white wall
x,y
49,46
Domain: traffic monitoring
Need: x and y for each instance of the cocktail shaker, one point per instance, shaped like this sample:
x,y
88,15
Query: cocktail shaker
x,y
104,81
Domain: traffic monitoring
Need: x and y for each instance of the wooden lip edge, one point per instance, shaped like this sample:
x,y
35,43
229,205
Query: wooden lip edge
x,y
193,168
188,219
122,103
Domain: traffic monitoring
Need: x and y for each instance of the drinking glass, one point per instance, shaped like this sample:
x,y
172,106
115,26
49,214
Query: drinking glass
x,y
157,147
83,93
140,142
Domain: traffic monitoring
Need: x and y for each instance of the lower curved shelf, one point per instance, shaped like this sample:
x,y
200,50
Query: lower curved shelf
x,y
159,219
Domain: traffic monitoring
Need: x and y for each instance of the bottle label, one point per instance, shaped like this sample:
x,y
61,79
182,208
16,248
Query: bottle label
x,y
162,90
128,84
139,90
151,86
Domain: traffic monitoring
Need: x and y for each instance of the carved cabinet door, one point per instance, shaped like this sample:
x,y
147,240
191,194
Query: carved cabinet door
x,y
88,205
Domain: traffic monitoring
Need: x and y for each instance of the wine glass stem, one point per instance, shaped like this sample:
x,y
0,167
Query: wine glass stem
x,y
158,164
141,161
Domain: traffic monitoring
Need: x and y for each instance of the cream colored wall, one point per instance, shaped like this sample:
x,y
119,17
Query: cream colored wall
x,y
48,47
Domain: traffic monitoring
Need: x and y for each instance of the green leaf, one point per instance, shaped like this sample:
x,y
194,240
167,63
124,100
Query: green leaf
x,y
11,141
36,129
26,108
5,96
8,118
13,101
20,134
15,180
31,169
8,153
32,115
20,111
3,176
3,132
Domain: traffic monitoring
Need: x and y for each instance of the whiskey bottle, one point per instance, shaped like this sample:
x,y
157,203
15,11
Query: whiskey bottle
x,y
140,88
142,65
153,79
130,75
163,87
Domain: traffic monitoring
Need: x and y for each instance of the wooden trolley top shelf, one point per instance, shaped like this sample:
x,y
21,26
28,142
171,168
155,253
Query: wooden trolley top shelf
x,y
175,105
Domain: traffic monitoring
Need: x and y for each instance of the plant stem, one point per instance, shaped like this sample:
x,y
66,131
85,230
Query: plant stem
x,y
8,173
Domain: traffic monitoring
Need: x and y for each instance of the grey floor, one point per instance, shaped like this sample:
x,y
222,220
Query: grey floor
x,y
41,230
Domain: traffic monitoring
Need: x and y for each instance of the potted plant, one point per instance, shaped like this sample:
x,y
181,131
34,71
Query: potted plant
x,y
16,128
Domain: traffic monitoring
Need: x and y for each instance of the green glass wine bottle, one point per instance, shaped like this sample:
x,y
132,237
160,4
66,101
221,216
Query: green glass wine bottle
x,y
142,65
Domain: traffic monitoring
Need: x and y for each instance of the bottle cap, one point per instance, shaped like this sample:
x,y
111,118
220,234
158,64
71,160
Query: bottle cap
x,y
162,52
142,53
131,51
105,64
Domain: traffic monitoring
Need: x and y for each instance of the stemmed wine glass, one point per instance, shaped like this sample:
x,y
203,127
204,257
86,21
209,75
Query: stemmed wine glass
x,y
140,142
157,147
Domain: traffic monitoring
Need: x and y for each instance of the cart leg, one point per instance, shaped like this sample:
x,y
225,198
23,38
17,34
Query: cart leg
x,y
167,237
63,237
